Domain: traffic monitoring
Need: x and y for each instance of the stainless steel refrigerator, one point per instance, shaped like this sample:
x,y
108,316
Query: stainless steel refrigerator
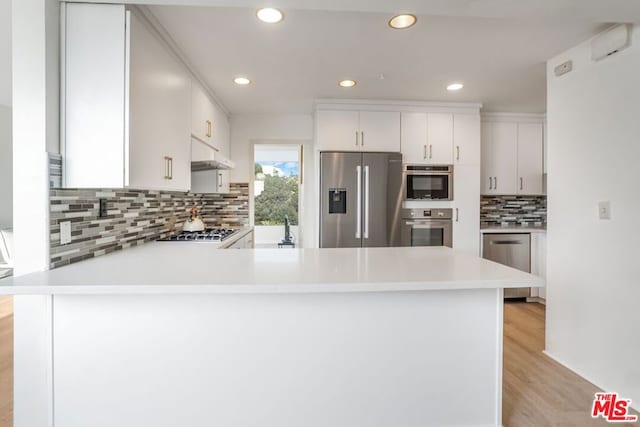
x,y
360,199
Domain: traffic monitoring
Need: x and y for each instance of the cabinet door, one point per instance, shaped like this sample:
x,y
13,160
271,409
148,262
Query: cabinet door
x,y
413,137
486,166
222,182
530,158
201,114
504,150
539,261
440,138
380,131
466,139
94,69
337,130
466,215
160,115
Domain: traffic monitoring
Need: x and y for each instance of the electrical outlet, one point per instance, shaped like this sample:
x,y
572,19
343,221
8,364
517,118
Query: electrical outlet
x,y
103,208
65,232
604,210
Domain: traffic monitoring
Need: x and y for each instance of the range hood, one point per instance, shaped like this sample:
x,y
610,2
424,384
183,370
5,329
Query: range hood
x,y
205,157
217,162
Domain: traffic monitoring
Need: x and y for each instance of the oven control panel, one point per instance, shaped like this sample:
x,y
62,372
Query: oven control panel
x,y
446,213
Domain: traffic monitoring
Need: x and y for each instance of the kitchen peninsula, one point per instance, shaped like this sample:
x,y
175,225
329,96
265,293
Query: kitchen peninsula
x,y
152,336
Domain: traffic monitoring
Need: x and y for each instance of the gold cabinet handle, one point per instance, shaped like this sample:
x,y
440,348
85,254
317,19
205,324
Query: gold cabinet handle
x,y
209,128
168,167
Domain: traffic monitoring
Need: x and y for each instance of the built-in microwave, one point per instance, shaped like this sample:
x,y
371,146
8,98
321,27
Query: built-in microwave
x,y
427,182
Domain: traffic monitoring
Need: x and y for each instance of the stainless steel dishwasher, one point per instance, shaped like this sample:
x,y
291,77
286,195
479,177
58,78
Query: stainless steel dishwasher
x,y
513,250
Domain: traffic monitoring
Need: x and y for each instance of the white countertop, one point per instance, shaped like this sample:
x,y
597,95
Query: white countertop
x,y
513,229
188,268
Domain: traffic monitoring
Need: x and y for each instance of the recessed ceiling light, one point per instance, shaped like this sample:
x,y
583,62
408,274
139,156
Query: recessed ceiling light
x,y
400,22
347,83
269,15
241,81
455,86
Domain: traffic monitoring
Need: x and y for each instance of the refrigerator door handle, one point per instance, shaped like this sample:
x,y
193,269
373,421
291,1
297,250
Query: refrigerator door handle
x,y
358,200
366,202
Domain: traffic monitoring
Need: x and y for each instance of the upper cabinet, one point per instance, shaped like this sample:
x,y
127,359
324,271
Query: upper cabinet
x,y
209,123
512,157
202,114
127,103
466,139
427,138
530,158
358,130
439,138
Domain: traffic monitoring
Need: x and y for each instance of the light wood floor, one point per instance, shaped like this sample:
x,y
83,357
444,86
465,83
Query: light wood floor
x,y
538,392
6,362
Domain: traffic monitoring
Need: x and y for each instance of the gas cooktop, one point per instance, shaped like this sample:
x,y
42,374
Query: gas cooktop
x,y
207,235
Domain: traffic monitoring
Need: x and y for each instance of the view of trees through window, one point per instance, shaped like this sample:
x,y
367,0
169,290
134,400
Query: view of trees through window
x,y
276,192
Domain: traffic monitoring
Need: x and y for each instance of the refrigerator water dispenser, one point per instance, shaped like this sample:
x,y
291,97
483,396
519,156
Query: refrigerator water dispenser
x,y
337,201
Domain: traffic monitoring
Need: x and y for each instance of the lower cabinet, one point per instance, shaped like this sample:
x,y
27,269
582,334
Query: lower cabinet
x,y
539,261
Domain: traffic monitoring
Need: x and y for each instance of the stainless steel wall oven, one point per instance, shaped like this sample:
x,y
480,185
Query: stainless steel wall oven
x,y
426,227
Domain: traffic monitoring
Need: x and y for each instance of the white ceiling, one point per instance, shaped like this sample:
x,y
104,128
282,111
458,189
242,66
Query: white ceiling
x,y
5,52
500,60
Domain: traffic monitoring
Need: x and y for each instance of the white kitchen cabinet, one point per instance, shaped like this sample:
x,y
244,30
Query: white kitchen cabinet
x,y
539,261
158,114
380,131
338,130
503,163
413,141
512,158
466,139
466,215
530,158
499,158
358,130
211,180
209,123
202,114
427,138
440,138
127,103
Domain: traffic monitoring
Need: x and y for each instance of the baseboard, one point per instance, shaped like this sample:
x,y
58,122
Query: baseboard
x,y
537,299
635,406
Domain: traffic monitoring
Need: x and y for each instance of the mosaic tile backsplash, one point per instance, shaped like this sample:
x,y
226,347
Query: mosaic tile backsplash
x,y
513,210
133,216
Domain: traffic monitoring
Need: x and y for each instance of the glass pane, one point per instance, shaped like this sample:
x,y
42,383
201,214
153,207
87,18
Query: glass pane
x,y
427,237
428,183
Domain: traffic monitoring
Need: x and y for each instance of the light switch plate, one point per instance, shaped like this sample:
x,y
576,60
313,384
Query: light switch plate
x,y
604,210
65,232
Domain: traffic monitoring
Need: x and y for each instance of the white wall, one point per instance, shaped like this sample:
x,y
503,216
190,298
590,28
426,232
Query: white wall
x,y
6,171
593,293
6,156
249,129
